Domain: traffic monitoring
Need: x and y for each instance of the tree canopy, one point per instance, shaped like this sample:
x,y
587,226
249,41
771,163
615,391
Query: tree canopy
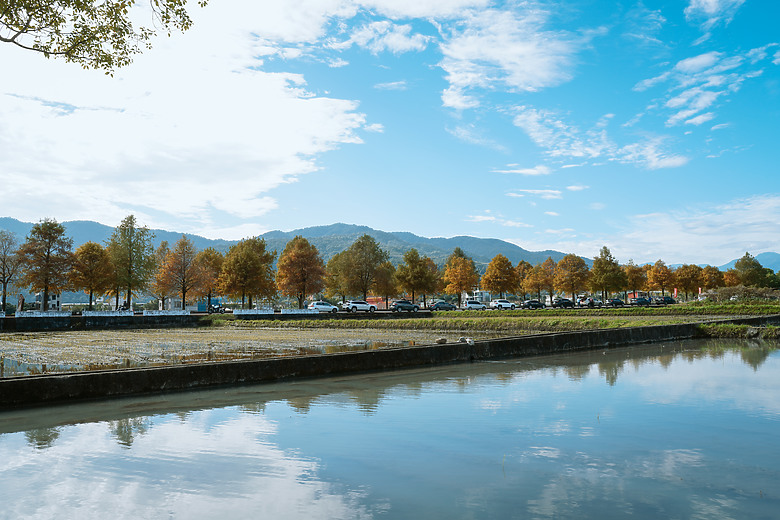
x,y
460,275
10,262
132,254
97,34
571,274
47,259
500,276
415,274
248,271
92,270
364,257
300,270
180,271
606,274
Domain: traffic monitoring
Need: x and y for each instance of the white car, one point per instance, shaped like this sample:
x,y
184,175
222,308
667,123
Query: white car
x,y
357,305
321,306
474,305
502,304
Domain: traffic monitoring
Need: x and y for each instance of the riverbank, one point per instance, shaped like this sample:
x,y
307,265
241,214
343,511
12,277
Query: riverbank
x,y
46,389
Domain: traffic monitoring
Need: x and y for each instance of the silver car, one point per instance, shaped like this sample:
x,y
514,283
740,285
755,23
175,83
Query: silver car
x,y
321,306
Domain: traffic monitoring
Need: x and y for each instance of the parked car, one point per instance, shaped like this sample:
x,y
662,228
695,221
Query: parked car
x,y
641,302
216,308
474,305
321,306
589,302
404,305
357,305
443,306
533,304
502,304
614,302
563,303
664,300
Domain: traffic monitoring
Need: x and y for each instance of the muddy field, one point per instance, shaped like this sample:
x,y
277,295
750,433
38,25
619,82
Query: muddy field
x,y
38,352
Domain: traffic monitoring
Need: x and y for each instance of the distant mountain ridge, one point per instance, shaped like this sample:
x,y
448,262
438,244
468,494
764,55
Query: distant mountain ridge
x,y
334,238
329,240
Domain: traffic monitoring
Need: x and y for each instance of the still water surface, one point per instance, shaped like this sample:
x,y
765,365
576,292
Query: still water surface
x,y
665,431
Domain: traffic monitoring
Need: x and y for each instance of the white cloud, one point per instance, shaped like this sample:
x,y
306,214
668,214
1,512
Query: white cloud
x,y
703,82
544,194
714,234
710,13
505,48
698,63
536,170
394,85
577,187
700,119
650,154
383,35
497,220
187,132
550,132
552,213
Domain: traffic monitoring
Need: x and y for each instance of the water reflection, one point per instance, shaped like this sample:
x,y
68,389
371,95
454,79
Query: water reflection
x,y
660,431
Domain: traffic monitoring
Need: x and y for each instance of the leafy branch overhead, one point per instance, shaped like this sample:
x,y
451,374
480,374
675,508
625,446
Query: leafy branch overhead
x,y
93,33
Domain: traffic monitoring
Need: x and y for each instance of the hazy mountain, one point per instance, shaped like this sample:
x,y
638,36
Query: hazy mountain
x,y
329,240
770,260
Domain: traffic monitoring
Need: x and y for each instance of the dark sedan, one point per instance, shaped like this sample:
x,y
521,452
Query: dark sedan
x,y
443,306
404,305
533,304
641,302
615,302
563,303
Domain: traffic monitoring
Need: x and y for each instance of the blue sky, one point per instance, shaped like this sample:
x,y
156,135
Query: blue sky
x,y
650,127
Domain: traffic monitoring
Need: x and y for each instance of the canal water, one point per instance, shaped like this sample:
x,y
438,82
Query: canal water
x,y
678,430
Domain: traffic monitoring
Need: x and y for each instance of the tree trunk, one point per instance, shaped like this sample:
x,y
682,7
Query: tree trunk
x,y
90,299
45,303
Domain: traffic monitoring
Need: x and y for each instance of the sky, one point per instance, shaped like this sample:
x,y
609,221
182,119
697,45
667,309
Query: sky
x,y
649,127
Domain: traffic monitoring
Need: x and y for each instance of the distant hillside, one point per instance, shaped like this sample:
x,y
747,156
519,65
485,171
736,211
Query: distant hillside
x,y
329,240
770,260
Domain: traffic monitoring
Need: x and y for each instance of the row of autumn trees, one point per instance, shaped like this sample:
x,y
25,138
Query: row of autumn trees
x,y
128,264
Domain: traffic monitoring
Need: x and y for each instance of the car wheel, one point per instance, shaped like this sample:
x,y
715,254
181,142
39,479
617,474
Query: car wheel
x,y
371,309
334,310
354,309
512,308
415,308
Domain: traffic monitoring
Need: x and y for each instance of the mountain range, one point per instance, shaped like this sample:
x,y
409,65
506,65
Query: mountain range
x,y
329,240
334,238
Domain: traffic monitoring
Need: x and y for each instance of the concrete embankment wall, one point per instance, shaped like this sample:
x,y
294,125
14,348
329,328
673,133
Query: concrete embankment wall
x,y
55,323
46,389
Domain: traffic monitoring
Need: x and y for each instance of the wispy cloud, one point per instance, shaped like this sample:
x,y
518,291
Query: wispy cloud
x,y
510,49
394,85
544,194
384,35
703,82
536,170
710,13
487,217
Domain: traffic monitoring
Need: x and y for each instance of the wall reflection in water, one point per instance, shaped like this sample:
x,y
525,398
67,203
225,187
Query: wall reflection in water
x,y
667,430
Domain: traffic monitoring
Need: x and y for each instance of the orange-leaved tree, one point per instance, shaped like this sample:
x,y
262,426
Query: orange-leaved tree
x,y
571,274
300,270
248,271
46,259
180,271
92,271
500,276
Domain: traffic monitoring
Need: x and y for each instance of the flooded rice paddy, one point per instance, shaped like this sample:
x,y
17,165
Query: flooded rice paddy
x,y
45,352
676,430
